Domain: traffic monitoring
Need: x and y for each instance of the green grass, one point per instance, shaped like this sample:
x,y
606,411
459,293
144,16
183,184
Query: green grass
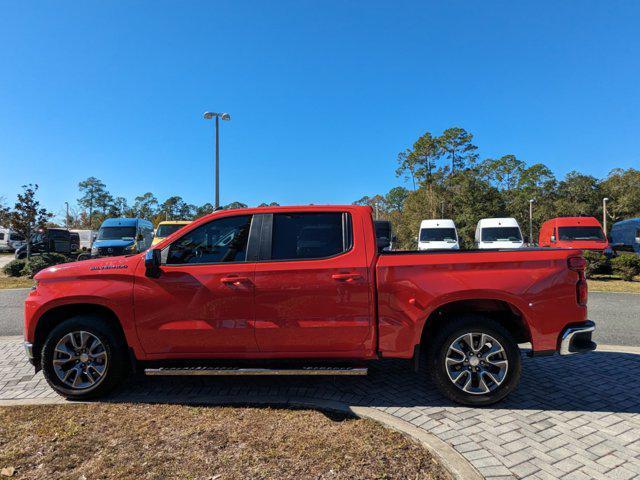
x,y
611,283
15,282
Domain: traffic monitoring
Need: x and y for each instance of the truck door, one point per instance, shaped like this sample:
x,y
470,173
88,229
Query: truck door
x,y
203,300
312,286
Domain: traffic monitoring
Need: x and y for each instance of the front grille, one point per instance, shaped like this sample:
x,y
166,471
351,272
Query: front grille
x,y
110,251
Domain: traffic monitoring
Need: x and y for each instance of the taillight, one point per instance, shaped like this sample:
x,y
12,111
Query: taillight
x,y
578,264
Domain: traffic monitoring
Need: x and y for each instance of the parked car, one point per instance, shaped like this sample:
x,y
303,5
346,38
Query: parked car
x,y
498,233
167,228
584,233
86,238
439,234
246,292
122,236
385,239
49,240
10,241
625,235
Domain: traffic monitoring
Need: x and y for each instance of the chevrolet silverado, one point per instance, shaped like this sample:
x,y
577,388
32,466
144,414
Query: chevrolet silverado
x,y
304,291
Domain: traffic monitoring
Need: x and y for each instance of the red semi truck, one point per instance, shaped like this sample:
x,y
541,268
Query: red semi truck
x,y
304,290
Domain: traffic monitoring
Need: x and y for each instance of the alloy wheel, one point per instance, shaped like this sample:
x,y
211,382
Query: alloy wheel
x,y
476,363
80,360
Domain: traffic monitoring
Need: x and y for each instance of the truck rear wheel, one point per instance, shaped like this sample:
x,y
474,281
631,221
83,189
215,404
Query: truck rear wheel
x,y
474,361
83,358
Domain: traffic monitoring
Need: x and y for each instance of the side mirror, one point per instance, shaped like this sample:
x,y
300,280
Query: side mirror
x,y
394,239
553,238
152,262
140,237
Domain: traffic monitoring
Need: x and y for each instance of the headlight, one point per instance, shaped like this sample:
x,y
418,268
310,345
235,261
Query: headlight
x,y
94,250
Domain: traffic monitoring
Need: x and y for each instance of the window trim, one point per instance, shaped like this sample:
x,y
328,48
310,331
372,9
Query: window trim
x,y
164,253
266,239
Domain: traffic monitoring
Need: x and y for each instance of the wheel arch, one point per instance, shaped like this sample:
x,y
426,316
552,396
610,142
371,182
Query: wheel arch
x,y
502,311
54,316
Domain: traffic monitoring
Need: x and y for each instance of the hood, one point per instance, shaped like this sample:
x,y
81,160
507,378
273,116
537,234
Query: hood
x,y
439,245
90,268
489,245
113,243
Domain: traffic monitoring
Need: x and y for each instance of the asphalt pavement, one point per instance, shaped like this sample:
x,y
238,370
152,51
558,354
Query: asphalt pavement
x,y
617,316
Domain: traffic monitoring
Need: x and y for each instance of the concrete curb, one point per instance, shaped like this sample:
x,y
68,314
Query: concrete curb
x,y
452,461
618,349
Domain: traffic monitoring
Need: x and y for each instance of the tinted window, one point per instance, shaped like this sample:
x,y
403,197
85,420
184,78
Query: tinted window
x,y
501,234
58,234
166,230
383,229
581,233
223,240
307,235
117,233
438,235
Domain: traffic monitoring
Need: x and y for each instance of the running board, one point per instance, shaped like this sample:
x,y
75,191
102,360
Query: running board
x,y
220,371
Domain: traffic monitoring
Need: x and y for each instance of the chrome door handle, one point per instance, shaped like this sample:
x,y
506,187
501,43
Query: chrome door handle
x,y
346,277
234,280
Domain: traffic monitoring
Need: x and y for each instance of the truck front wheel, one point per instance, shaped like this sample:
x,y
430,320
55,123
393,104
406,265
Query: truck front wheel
x,y
474,361
83,358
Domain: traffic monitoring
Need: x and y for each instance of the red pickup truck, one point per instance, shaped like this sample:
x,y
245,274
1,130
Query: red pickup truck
x,y
304,290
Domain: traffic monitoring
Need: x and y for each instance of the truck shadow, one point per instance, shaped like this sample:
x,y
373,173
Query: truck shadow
x,y
597,382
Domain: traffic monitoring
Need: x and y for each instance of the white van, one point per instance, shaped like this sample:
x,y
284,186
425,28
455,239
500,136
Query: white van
x,y
440,234
10,241
498,233
86,238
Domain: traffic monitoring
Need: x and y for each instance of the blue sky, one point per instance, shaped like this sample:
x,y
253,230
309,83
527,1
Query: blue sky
x,y
323,95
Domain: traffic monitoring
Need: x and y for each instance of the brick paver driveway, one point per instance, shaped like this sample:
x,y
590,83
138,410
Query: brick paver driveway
x,y
572,417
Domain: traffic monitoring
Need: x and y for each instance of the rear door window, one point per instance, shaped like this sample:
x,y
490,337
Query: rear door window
x,y
304,236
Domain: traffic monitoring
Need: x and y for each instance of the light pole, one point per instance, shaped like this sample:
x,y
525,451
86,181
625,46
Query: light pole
x,y
531,221
604,214
66,219
217,116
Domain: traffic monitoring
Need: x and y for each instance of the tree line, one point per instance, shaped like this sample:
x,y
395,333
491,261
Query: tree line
x,y
447,179
96,204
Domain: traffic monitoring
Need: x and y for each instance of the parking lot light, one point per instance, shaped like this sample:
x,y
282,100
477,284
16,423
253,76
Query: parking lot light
x,y
217,116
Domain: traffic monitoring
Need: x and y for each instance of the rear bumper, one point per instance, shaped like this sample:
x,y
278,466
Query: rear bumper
x,y
577,339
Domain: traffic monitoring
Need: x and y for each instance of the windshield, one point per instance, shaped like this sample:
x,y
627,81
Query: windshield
x,y
117,233
438,235
501,234
166,230
581,233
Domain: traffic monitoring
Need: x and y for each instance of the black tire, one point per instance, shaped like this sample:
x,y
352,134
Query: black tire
x,y
115,350
438,347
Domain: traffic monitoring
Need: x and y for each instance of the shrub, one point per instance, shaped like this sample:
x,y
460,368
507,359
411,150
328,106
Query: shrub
x,y
597,264
626,265
14,268
40,262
